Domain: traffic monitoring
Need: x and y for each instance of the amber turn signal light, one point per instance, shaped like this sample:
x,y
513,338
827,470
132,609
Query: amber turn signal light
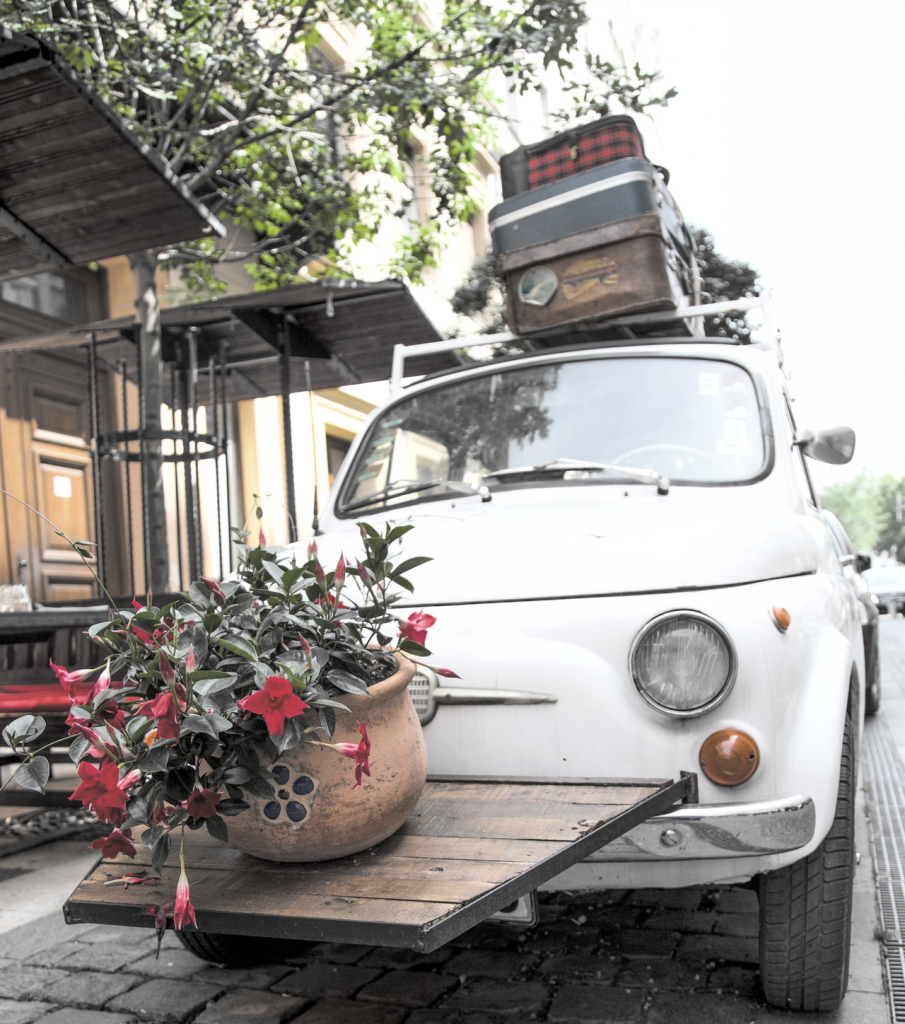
x,y
729,757
781,618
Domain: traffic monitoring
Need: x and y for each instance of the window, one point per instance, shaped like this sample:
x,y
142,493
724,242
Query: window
x,y
337,449
61,296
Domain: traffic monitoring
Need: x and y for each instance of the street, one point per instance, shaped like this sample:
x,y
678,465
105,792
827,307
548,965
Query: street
x,y
686,956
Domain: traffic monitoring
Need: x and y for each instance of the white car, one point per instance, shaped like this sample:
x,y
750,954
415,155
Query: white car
x,y
632,579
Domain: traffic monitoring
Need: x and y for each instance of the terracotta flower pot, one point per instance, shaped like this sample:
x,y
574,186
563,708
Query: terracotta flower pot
x,y
316,811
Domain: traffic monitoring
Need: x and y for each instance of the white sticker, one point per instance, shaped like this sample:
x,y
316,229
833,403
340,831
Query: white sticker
x,y
736,430
62,487
739,412
733,446
708,383
738,388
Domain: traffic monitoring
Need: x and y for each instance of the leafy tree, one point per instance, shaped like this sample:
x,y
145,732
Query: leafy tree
x,y
856,505
891,515
240,101
723,279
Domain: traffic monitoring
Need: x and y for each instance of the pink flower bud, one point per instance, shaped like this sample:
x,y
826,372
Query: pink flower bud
x,y
312,550
448,673
262,540
363,573
363,532
128,780
319,573
166,671
190,660
340,575
305,646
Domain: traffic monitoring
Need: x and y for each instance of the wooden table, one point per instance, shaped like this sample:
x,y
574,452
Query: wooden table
x,y
471,847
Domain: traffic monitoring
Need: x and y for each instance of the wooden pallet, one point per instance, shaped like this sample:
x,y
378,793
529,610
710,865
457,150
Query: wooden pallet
x,y
471,847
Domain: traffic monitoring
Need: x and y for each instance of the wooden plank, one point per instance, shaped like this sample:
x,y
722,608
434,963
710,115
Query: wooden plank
x,y
269,896
492,828
570,813
520,851
527,780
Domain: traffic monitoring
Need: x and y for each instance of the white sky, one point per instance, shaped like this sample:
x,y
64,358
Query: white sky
x,y
785,141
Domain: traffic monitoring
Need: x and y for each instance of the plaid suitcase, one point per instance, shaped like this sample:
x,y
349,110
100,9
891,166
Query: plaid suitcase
x,y
570,152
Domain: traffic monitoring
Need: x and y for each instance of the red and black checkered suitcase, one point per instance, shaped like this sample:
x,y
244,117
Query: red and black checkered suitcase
x,y
570,152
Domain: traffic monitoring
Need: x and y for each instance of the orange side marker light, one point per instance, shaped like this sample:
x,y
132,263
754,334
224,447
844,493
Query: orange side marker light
x,y
729,757
781,618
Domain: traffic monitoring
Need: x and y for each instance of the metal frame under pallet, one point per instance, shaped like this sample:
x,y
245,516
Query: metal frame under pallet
x,y
371,914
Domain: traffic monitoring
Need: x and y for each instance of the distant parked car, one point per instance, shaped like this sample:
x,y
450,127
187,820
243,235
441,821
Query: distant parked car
x,y
855,564
888,583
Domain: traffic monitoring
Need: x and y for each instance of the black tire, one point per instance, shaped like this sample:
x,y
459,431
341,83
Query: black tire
x,y
806,911
239,950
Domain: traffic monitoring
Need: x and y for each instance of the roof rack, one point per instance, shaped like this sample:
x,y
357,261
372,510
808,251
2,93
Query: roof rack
x,y
771,341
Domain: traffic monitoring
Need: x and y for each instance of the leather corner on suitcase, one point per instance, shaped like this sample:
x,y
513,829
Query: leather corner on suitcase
x,y
604,234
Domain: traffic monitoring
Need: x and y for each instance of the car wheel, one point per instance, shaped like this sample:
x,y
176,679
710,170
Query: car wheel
x,y
238,950
806,911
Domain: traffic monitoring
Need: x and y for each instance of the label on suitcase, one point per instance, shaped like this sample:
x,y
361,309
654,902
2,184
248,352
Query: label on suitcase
x,y
570,152
606,271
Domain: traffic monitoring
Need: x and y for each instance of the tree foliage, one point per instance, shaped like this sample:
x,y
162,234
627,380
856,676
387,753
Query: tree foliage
x,y
867,508
239,98
723,279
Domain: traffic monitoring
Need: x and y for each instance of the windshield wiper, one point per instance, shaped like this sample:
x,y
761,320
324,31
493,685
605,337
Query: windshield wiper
x,y
644,476
403,487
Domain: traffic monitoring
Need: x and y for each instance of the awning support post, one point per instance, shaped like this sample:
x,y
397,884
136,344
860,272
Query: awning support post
x,y
96,465
285,383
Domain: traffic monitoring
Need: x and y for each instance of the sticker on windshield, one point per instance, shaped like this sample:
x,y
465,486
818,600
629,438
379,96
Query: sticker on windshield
x,y
585,275
708,383
733,446
736,430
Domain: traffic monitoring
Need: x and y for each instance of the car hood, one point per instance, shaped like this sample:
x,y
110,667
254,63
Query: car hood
x,y
511,550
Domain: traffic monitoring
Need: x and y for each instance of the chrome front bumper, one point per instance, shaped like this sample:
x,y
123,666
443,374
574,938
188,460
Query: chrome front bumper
x,y
708,831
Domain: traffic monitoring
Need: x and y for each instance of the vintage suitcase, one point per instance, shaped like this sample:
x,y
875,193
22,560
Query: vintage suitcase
x,y
600,244
570,152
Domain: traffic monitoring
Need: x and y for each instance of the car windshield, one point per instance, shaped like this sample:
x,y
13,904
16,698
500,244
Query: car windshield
x,y
692,420
886,574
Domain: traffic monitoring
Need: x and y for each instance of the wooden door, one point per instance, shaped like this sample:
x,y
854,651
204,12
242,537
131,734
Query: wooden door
x,y
45,443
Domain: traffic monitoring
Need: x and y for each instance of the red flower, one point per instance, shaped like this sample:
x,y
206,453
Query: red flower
x,y
202,803
184,912
117,842
68,680
161,813
214,588
415,627
144,637
359,751
164,709
160,919
98,746
276,702
99,790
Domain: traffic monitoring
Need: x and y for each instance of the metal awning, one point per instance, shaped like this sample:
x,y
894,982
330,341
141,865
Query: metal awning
x,y
344,330
75,184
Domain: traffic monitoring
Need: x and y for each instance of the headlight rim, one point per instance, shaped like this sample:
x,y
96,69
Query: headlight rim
x,y
720,630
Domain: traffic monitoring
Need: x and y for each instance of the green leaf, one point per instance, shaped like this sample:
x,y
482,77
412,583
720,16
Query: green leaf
x,y
211,725
34,774
410,563
195,639
327,717
275,572
232,807
403,582
236,644
217,828
151,837
78,748
238,776
347,682
410,647
24,729
154,760
397,532
160,853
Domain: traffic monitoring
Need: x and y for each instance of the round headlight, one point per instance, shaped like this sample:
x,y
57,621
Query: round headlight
x,y
683,663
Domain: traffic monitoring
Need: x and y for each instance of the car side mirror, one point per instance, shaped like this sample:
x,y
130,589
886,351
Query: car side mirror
x,y
835,445
863,561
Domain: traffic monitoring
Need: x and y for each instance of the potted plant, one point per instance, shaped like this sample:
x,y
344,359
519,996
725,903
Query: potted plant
x,y
235,708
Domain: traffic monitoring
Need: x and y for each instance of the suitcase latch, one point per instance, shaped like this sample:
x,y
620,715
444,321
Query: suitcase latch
x,y
573,153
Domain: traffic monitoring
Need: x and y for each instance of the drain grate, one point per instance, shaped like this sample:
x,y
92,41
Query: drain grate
x,y
886,788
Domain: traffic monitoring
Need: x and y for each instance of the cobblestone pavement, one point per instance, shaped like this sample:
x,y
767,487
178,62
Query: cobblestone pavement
x,y
682,956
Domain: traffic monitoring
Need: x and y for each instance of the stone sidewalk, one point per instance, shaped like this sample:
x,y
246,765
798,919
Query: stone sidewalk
x,y
686,956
